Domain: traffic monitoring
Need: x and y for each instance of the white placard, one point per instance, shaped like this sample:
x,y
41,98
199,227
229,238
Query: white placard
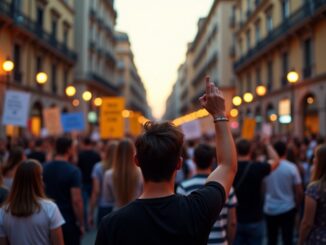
x,y
16,108
267,129
191,130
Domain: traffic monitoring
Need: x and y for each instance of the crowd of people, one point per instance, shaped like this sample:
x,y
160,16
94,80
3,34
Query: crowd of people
x,y
269,189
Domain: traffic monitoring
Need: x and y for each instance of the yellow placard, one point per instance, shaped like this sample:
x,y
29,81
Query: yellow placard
x,y
36,126
52,121
111,120
12,130
135,126
248,129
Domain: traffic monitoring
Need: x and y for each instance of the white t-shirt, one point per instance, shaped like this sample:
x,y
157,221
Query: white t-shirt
x,y
280,196
34,229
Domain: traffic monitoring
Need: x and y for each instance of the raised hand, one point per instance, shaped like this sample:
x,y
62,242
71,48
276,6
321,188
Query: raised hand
x,y
213,100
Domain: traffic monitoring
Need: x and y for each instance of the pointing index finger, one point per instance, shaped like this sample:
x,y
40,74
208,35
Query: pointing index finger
x,y
208,85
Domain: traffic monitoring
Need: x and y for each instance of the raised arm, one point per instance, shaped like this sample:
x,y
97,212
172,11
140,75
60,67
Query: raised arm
x,y
213,102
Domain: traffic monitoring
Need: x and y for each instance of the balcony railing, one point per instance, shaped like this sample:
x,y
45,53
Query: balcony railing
x,y
105,82
22,21
302,14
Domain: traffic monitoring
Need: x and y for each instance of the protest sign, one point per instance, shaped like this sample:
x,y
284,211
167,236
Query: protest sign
x,y
52,121
16,108
191,130
248,129
73,122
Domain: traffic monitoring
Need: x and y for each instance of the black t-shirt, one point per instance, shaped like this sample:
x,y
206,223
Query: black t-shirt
x,y
3,195
59,177
250,192
86,161
37,155
169,220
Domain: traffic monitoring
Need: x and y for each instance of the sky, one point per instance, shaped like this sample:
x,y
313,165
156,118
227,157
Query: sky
x,y
159,31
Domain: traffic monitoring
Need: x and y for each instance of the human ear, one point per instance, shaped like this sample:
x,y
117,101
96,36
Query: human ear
x,y
179,164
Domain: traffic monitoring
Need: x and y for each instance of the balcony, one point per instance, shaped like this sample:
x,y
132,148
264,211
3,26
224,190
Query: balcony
x,y
200,75
306,12
104,82
21,21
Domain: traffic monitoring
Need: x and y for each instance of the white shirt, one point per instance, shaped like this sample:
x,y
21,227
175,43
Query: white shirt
x,y
34,229
280,196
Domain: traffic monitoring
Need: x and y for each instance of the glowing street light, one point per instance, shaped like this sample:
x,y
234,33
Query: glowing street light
x,y
236,100
234,112
125,113
98,101
292,77
261,90
8,66
87,96
75,102
41,78
248,97
70,91
273,117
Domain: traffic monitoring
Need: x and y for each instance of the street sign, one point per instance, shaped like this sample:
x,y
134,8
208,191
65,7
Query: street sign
x,y
16,108
111,120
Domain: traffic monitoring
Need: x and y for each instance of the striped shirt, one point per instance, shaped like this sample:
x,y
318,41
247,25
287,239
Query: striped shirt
x,y
218,232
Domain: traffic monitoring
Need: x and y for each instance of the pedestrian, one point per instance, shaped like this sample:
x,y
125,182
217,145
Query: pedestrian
x,y
123,183
223,230
87,158
3,190
28,217
63,184
313,225
248,186
15,158
160,216
97,197
38,152
283,197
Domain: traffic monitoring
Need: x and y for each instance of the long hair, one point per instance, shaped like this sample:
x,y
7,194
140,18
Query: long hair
x,y
27,190
125,173
320,165
16,156
109,155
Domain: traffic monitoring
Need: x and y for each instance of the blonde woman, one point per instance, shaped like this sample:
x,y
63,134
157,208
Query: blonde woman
x,y
123,183
313,225
28,217
97,197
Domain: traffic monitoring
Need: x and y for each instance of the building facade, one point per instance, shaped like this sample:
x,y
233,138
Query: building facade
x,y
208,54
95,44
131,85
273,38
37,36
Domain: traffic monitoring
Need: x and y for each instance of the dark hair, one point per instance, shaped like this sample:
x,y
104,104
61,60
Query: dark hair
x,y
62,145
158,150
203,156
38,142
243,147
280,148
26,190
320,167
16,156
87,141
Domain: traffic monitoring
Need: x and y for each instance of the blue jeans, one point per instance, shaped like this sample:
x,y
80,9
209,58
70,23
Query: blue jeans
x,y
249,234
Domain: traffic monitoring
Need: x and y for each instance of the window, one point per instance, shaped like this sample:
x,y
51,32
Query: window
x,y
285,67
270,75
54,27
248,83
38,64
248,40
54,78
65,79
17,59
257,31
269,21
258,76
285,9
307,58
248,8
240,47
65,36
39,19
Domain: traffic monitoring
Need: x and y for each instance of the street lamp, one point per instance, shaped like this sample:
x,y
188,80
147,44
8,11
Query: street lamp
x,y
70,91
236,100
261,90
41,78
292,77
75,102
8,66
98,101
87,96
125,113
248,97
234,112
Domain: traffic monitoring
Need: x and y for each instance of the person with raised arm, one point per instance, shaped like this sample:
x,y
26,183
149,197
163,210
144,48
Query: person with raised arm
x,y
160,216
